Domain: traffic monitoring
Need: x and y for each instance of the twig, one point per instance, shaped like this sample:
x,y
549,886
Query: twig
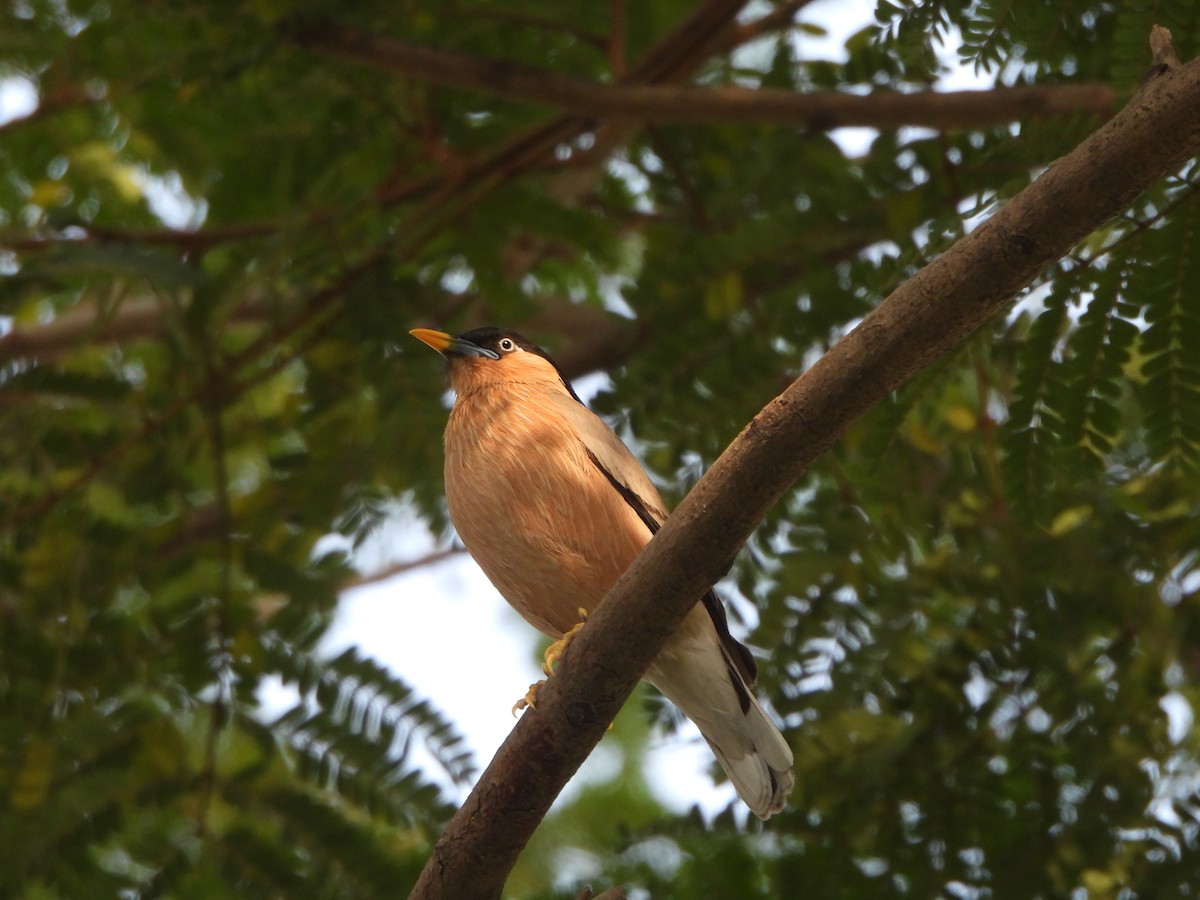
x,y
218,615
1162,50
696,38
613,893
618,37
400,568
779,18
198,240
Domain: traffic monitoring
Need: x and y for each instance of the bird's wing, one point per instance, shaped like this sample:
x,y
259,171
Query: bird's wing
x,y
630,480
615,460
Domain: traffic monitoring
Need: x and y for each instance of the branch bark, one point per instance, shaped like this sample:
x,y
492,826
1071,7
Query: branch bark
x,y
923,319
950,110
89,322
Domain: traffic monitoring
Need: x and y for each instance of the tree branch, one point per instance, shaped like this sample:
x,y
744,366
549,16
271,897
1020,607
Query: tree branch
x,y
781,17
950,110
922,320
400,568
90,322
198,240
694,39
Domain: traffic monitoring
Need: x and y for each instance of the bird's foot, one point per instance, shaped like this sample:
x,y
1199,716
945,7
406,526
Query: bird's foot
x,y
555,651
528,701
553,654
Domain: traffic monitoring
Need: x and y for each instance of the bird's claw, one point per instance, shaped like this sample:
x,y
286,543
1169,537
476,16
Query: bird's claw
x,y
528,700
553,654
555,651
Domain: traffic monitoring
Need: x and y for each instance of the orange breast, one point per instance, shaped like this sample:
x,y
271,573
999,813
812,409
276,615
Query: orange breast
x,y
541,520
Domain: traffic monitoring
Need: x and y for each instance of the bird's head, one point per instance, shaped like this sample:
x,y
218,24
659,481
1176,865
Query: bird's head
x,y
493,357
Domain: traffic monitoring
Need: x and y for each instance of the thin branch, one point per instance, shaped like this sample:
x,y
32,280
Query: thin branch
x,y
678,52
89,322
429,559
922,320
618,39
1162,51
218,615
949,110
199,239
782,16
613,893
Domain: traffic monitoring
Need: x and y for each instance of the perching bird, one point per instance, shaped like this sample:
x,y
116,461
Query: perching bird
x,y
554,508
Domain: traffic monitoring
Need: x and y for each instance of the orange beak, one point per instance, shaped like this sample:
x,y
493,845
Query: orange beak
x,y
450,345
438,340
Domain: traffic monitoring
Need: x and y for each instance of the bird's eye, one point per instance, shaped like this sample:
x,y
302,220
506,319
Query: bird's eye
x,y
507,345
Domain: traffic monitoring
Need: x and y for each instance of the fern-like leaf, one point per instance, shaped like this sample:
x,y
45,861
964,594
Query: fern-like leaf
x,y
1170,344
1100,347
365,862
353,731
1034,419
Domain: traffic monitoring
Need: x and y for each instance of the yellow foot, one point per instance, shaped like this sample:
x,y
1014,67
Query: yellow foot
x,y
555,651
553,654
528,699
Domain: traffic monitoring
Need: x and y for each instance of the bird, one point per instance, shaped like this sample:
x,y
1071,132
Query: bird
x,y
554,507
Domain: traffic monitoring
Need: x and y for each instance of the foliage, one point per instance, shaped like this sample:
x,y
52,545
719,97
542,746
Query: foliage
x,y
978,613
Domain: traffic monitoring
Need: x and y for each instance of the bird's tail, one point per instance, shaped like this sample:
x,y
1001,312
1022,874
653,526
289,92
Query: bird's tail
x,y
699,679
763,772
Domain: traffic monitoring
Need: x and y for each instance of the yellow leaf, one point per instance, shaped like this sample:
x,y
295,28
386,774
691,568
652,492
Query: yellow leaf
x,y
960,418
1070,519
921,438
48,557
723,296
31,782
109,504
99,160
971,500
1097,883
48,194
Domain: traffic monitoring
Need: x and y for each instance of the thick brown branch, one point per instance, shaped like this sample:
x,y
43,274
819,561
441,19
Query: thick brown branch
x,y
922,320
949,110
